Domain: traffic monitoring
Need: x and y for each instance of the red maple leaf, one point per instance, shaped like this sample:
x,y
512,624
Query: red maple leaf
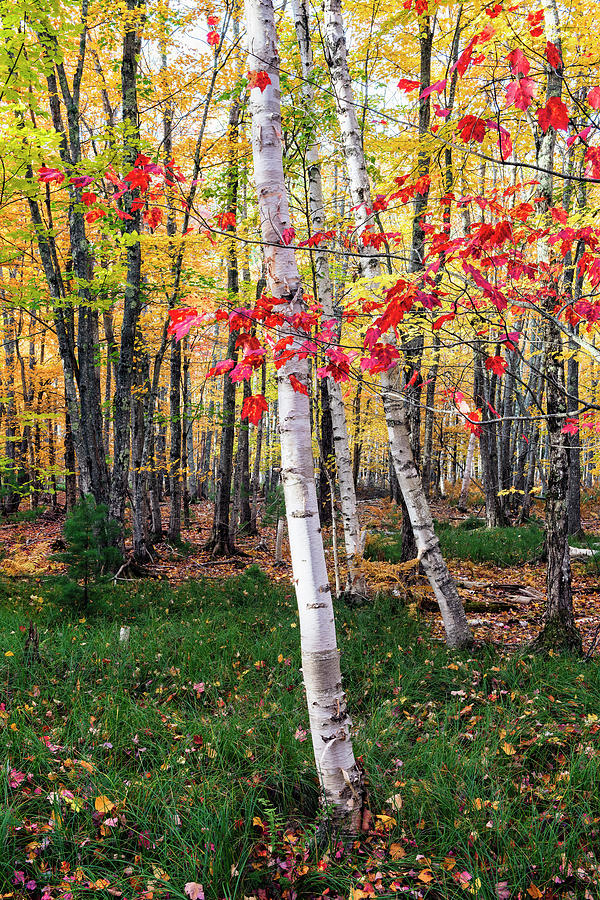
x,y
559,214
471,128
95,215
553,55
254,407
298,386
226,220
406,84
496,364
88,198
258,80
520,93
571,426
555,114
46,175
137,178
593,98
519,64
153,217
213,38
219,368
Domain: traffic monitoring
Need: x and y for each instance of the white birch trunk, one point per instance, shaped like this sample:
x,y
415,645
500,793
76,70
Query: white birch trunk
x,y
329,722
466,482
352,535
458,633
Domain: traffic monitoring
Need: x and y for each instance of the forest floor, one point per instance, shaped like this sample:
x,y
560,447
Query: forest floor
x,y
178,765
502,585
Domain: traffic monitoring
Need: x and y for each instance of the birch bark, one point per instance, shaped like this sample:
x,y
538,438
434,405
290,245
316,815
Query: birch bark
x,y
330,723
458,633
352,536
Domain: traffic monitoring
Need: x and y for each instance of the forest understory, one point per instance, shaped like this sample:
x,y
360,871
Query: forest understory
x,y
501,583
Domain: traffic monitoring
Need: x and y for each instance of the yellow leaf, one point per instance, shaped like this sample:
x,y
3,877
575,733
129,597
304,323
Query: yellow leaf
x,y
509,750
84,765
478,802
211,752
397,851
258,821
386,821
448,863
426,875
534,891
9,653
103,804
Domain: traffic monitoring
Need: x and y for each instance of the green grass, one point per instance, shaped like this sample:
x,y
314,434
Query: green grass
x,y
470,539
194,732
501,546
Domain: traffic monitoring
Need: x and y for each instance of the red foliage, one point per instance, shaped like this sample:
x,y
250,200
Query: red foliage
x,y
254,407
258,80
554,114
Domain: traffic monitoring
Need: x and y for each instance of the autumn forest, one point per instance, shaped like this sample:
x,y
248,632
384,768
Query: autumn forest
x,y
299,449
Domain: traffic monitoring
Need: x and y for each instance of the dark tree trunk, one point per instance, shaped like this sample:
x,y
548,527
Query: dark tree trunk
x,y
221,542
327,458
257,455
244,454
559,631
357,449
487,448
175,445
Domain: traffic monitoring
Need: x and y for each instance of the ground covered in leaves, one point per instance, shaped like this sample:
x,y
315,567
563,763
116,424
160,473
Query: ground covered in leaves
x,y
178,765
500,575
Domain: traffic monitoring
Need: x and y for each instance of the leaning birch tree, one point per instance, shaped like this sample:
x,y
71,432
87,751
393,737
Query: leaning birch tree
x,y
458,633
356,585
330,723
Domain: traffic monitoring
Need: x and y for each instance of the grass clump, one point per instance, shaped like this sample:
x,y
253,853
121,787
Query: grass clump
x,y
183,757
469,540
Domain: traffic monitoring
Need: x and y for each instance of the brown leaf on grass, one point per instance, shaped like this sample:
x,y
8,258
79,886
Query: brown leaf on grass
x,y
397,851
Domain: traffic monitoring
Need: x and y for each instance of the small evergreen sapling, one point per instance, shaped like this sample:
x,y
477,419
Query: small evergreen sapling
x,y
92,547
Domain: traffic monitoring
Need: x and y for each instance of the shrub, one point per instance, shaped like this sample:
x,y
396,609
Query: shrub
x,y
91,548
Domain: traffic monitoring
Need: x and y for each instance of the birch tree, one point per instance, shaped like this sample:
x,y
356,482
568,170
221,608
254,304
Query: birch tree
x,y
352,535
339,775
458,633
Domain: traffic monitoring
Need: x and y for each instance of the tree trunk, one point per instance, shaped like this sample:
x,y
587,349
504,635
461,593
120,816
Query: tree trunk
x,y
244,454
221,542
257,454
175,445
339,775
559,631
455,623
336,419
468,473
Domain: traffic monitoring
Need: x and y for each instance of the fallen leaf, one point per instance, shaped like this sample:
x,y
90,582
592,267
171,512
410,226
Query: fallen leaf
x,y
103,805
